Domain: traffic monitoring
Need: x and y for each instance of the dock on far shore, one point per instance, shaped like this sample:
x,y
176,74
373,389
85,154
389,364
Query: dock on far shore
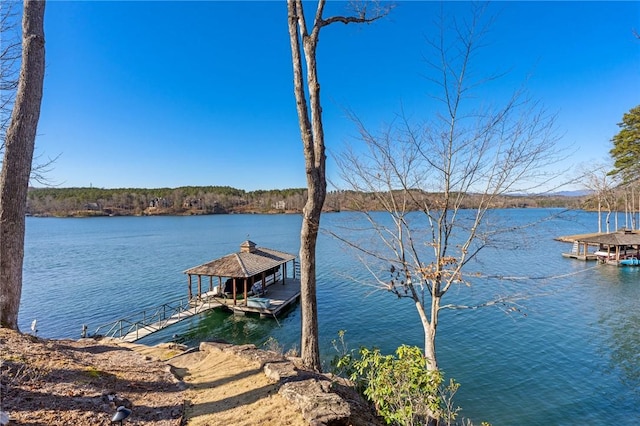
x,y
577,237
621,247
576,252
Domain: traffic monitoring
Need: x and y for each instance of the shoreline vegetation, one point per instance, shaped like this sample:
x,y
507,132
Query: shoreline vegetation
x,y
207,200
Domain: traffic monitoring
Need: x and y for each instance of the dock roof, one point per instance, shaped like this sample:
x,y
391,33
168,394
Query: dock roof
x,y
620,238
249,261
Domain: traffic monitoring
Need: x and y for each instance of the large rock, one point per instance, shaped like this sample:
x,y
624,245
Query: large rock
x,y
322,399
319,406
248,352
280,371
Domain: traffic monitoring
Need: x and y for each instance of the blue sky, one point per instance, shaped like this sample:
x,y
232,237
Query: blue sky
x,y
165,94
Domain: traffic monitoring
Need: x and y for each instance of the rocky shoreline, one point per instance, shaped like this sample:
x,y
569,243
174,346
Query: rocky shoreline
x,y
62,382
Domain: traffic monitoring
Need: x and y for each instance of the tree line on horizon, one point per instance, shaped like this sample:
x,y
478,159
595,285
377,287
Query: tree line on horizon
x,y
190,200
83,201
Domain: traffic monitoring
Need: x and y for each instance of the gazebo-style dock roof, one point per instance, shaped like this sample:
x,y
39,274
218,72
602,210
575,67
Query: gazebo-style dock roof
x,y
250,261
249,272
620,238
617,248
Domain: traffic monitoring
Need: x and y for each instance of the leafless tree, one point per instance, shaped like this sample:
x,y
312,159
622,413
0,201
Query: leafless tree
x,y
10,54
304,43
9,63
425,173
597,179
16,166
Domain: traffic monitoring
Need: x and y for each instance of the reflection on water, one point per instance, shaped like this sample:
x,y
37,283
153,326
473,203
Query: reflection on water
x,y
238,329
621,319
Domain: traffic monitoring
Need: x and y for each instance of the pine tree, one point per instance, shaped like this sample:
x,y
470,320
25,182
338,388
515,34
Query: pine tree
x,y
626,147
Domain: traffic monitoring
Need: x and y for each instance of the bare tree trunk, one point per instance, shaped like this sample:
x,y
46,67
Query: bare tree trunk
x,y
313,146
312,134
429,328
16,166
9,58
626,209
631,208
599,215
310,350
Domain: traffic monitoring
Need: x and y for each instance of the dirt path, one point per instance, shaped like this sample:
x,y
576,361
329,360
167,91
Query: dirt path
x,y
224,389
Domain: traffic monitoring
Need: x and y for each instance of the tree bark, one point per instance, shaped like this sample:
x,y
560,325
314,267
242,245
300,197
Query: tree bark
x,y
18,156
599,215
429,328
314,153
312,134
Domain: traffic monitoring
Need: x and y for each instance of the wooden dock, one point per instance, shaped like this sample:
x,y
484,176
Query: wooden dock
x,y
617,248
579,251
280,296
149,321
584,257
252,269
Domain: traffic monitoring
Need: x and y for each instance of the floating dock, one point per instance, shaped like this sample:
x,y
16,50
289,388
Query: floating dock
x,y
580,252
278,297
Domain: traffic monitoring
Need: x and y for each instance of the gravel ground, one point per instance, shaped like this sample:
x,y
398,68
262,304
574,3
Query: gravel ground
x,y
68,382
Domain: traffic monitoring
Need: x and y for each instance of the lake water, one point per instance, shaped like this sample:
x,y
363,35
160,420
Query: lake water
x,y
570,356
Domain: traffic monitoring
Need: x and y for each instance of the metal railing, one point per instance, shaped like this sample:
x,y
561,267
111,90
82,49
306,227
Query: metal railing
x,y
150,319
296,270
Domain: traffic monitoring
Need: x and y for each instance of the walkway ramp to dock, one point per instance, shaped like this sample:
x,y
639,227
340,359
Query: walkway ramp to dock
x,y
144,323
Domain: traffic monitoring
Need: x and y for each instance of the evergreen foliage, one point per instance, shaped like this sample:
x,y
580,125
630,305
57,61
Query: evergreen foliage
x,y
626,147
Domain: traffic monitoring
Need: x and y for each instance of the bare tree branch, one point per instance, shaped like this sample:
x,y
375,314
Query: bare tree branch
x,y
10,52
437,178
10,58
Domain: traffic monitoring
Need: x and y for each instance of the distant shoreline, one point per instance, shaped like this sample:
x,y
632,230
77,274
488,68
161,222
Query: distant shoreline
x,y
195,201
92,214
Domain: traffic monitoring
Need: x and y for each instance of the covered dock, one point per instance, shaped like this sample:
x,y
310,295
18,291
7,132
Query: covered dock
x,y
254,280
580,250
614,248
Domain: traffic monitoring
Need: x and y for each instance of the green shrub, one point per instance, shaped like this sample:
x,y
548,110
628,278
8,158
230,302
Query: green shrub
x,y
342,363
402,389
